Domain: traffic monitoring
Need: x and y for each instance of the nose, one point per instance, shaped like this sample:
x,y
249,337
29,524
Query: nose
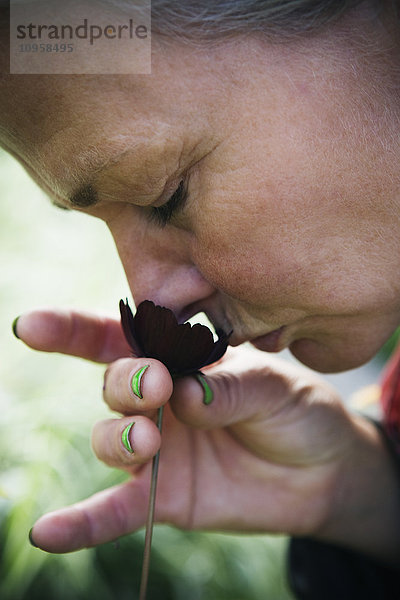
x,y
159,267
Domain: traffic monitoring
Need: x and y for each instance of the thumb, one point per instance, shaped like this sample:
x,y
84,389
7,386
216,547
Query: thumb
x,y
105,516
244,386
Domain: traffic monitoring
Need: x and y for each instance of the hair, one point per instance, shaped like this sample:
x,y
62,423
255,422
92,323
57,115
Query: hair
x,y
213,19
273,17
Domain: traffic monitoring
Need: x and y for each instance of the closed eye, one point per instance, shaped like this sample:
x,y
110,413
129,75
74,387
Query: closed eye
x,y
162,215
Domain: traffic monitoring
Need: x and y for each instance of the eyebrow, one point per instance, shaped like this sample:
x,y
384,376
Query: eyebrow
x,y
84,196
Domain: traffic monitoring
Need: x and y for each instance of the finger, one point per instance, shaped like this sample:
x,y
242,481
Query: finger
x,y
226,408
142,441
76,333
136,385
240,393
97,520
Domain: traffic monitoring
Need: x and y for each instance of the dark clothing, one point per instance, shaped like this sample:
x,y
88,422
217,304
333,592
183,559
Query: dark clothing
x,y
319,571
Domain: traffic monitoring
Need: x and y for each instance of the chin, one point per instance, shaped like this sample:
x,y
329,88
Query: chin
x,y
326,359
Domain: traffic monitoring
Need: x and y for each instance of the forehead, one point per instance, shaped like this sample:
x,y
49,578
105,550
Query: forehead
x,y
84,127
129,130
71,130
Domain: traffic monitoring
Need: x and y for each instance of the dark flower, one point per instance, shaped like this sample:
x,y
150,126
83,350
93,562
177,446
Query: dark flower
x,y
184,349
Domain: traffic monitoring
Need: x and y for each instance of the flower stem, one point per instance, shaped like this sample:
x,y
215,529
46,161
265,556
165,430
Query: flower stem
x,y
150,516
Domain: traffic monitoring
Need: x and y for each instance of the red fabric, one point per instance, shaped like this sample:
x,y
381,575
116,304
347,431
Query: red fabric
x,y
390,398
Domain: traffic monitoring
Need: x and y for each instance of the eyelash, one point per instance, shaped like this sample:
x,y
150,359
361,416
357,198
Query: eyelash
x,y
162,215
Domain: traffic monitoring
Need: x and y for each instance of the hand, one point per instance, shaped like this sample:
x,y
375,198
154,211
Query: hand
x,y
276,451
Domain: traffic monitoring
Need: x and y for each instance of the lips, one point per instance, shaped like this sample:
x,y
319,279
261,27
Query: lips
x,y
270,342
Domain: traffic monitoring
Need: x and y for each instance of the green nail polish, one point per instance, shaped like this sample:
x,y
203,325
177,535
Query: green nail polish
x,y
136,382
125,437
14,327
31,538
208,396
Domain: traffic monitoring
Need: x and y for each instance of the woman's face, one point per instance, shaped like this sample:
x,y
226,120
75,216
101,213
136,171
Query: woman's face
x,y
287,231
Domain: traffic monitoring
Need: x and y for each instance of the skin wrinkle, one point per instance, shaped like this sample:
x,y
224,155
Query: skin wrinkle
x,y
214,460
90,522
100,162
236,481
122,147
71,333
123,513
101,343
156,185
105,342
278,388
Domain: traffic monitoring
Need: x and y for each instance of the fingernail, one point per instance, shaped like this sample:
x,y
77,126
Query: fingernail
x,y
125,438
208,395
136,382
14,327
31,538
105,380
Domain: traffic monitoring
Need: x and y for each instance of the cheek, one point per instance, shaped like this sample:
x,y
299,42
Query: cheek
x,y
286,266
242,262
233,274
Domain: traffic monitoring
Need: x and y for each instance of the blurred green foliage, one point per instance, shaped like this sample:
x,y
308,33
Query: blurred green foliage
x,y
48,404
390,346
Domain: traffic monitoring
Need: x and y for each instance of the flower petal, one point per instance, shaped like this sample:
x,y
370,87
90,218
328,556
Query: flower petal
x,y
128,328
183,348
191,347
219,347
